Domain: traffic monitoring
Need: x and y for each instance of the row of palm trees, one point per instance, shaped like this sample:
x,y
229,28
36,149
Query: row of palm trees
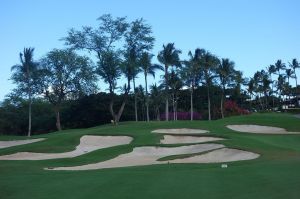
x,y
274,83
202,68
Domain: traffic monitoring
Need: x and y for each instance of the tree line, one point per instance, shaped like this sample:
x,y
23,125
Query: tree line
x,y
123,49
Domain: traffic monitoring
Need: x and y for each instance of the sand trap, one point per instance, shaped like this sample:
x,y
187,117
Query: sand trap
x,y
88,143
180,131
5,144
260,129
217,156
145,156
183,139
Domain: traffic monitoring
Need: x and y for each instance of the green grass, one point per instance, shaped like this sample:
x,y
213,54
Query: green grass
x,y
275,175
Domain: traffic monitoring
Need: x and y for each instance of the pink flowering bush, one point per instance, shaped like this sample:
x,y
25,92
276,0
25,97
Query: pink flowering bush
x,y
231,108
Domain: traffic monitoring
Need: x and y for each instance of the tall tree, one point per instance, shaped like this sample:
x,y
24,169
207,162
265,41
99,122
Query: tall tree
x,y
66,76
280,67
156,97
209,63
138,39
272,70
169,56
25,76
175,84
257,80
191,74
148,68
104,41
250,89
295,65
289,73
225,73
109,69
281,86
266,81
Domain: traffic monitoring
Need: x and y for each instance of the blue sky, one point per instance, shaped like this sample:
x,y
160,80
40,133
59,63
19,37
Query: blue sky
x,y
252,33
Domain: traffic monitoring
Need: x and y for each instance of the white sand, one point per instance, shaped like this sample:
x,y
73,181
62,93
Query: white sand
x,y
259,129
219,155
180,131
5,144
145,156
183,139
88,143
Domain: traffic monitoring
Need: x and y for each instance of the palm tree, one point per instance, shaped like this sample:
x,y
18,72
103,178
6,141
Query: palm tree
x,y
130,66
289,75
280,85
272,70
257,81
24,76
280,66
175,84
156,97
294,65
148,68
209,63
250,89
266,85
169,56
225,72
191,74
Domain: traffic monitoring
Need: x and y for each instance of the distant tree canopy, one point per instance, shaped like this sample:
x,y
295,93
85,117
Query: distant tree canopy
x,y
202,86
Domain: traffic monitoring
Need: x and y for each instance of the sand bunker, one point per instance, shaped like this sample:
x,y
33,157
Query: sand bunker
x,y
5,144
145,156
88,143
180,139
259,129
180,131
217,156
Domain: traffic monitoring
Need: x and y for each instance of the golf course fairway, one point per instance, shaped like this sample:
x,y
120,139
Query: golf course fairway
x,y
275,174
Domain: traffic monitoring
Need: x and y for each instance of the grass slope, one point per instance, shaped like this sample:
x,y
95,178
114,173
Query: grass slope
x,y
276,174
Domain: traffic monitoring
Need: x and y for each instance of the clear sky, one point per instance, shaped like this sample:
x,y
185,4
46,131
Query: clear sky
x,y
252,33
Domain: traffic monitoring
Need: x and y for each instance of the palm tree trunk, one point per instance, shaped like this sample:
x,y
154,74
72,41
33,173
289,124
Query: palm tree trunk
x,y
192,108
135,101
30,101
260,102
289,91
297,95
222,102
57,114
222,110
208,99
250,102
174,111
267,101
176,107
157,114
147,98
167,93
29,116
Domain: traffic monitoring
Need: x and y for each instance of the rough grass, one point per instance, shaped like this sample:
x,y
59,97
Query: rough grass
x,y
275,174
